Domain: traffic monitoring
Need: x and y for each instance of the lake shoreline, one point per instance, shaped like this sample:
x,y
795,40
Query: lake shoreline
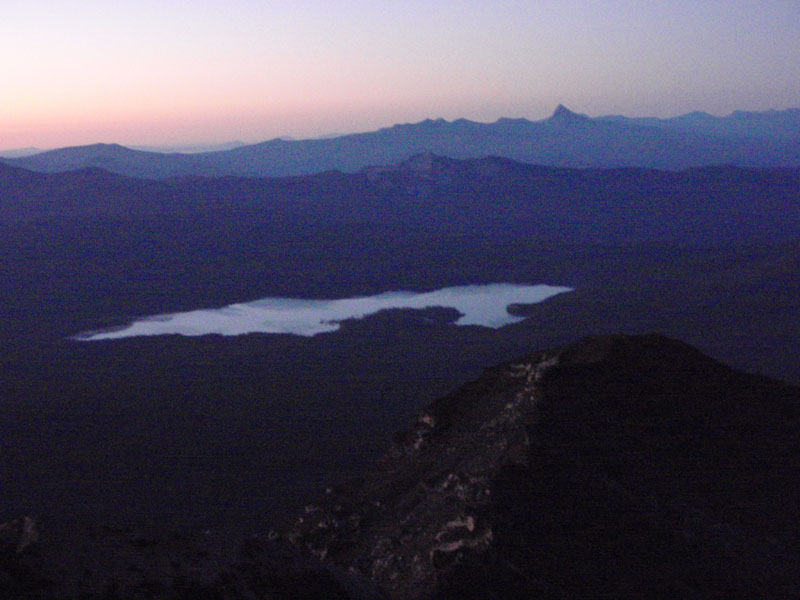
x,y
484,305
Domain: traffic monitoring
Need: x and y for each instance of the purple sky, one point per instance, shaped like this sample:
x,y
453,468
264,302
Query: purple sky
x,y
202,71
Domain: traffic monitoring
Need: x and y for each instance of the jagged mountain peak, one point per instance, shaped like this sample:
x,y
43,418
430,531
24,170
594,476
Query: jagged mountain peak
x,y
562,113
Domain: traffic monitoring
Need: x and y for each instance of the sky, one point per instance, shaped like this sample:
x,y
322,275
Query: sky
x,y
150,72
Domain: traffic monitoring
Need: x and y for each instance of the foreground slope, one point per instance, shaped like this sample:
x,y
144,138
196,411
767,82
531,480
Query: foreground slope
x,y
617,466
621,467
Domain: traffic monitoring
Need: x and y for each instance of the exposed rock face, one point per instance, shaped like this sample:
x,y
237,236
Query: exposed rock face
x,y
614,467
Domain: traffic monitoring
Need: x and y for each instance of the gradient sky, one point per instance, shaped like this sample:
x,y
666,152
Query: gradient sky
x,y
201,71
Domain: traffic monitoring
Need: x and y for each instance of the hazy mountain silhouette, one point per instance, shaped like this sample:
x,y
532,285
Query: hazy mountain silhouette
x,y
20,152
769,139
190,148
774,124
711,205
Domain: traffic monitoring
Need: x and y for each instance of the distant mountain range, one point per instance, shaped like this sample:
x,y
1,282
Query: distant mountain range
x,y
566,139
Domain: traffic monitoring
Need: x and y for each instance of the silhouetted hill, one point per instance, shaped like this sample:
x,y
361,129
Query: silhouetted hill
x,y
614,467
110,157
191,148
19,152
28,195
566,139
711,205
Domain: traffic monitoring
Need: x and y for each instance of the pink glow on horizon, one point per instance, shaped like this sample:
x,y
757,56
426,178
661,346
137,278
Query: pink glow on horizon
x,y
148,73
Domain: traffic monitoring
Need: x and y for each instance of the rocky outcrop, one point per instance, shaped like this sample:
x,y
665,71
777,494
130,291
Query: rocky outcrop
x,y
423,508
614,467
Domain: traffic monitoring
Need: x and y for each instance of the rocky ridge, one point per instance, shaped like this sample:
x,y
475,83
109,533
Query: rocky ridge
x,y
614,467
421,510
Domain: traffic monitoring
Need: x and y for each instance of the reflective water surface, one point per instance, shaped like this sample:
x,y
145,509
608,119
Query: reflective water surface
x,y
484,305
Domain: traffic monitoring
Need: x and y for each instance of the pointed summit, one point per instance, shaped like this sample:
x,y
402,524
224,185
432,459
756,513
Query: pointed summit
x,y
562,113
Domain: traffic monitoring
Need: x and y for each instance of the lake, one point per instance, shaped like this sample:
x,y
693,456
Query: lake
x,y
484,305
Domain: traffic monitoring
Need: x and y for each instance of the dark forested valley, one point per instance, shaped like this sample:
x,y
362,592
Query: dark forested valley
x,y
233,434
219,431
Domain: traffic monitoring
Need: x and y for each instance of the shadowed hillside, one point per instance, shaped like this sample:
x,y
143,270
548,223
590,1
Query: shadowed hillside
x,y
613,467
